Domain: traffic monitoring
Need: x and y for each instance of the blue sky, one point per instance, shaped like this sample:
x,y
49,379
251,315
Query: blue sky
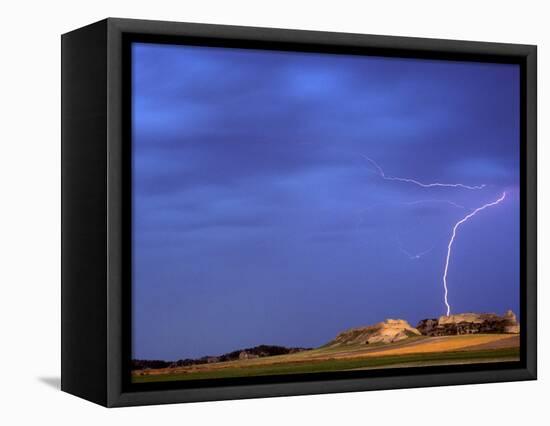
x,y
257,219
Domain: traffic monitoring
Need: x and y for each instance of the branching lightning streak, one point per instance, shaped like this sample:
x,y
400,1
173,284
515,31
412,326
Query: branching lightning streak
x,y
383,175
411,256
451,241
405,203
415,256
451,203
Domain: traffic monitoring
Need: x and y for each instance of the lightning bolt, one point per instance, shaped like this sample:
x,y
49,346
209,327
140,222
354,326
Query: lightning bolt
x,y
383,175
451,241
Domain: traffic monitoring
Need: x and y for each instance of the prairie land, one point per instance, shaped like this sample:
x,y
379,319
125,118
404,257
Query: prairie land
x,y
412,352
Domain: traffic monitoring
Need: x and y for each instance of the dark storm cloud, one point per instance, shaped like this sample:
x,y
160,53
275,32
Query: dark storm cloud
x,y
309,103
252,196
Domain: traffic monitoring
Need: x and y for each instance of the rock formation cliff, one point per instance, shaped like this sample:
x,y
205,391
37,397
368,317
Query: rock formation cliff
x,y
469,323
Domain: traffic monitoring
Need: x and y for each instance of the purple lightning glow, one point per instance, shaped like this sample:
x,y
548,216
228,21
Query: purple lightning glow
x,y
450,245
380,172
383,175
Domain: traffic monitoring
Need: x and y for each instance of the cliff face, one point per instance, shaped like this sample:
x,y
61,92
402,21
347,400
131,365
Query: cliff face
x,y
391,330
469,323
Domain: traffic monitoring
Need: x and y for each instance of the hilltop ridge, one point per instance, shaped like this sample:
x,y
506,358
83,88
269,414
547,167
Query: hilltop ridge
x,y
259,351
388,331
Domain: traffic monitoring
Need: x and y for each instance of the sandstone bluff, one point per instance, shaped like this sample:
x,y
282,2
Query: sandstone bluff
x,y
469,323
391,330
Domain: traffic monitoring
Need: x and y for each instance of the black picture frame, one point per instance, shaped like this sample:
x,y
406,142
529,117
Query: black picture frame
x,y
96,214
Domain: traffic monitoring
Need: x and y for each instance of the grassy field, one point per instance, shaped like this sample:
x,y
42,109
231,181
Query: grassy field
x,y
419,351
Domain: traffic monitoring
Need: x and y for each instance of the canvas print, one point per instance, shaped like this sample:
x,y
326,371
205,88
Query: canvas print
x,y
299,212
